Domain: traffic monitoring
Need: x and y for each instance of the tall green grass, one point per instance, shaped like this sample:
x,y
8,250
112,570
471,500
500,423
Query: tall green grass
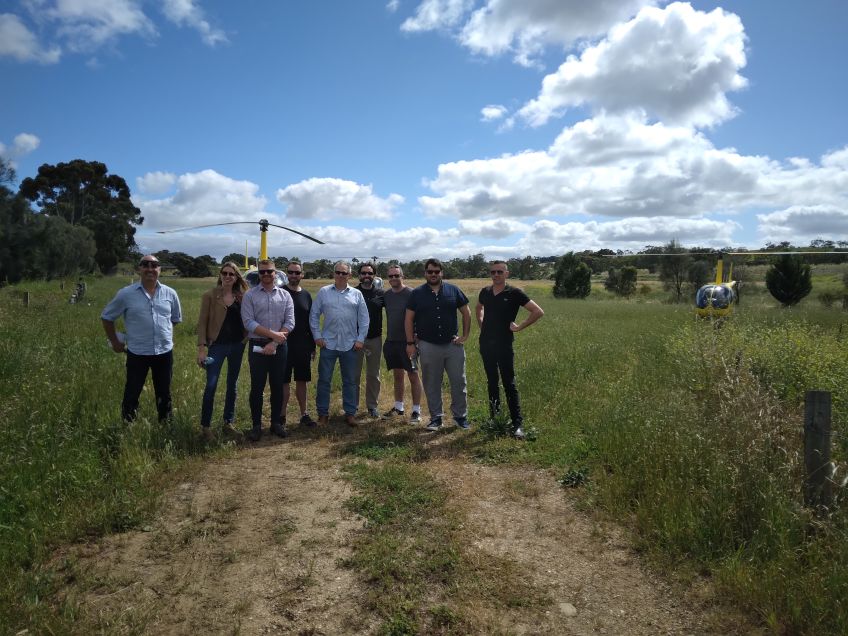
x,y
69,467
693,435
689,434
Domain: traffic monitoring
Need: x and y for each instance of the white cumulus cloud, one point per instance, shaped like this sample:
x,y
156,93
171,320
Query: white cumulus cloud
x,y
156,183
327,198
492,112
437,14
625,167
17,41
199,198
188,13
676,64
800,224
23,144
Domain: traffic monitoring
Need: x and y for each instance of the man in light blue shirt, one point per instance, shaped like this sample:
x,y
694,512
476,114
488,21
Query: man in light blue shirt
x,y
150,310
340,337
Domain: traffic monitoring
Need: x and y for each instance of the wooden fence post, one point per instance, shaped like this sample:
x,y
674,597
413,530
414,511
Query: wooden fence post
x,y
26,299
817,487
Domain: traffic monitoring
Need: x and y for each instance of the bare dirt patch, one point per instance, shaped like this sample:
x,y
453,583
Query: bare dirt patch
x,y
254,543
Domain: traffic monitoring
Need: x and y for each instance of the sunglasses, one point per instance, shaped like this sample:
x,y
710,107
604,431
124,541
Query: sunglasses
x,y
149,264
338,273
366,274
394,275
291,273
228,273
496,271
431,272
263,272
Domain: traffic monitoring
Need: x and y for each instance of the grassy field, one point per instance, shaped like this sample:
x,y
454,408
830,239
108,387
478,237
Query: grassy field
x,y
689,435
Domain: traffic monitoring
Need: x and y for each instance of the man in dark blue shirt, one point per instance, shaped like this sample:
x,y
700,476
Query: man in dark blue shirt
x,y
431,323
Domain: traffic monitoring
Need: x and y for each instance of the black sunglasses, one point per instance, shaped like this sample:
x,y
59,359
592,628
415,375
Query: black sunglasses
x,y
149,264
291,273
338,273
266,271
366,273
394,275
496,271
430,272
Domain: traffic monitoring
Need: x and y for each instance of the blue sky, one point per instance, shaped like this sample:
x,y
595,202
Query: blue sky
x,y
415,128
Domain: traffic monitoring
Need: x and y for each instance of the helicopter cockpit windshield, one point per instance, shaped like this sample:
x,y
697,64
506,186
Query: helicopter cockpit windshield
x,y
252,278
715,296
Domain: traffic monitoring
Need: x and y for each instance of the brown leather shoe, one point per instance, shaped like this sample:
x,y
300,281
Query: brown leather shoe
x,y
323,420
351,421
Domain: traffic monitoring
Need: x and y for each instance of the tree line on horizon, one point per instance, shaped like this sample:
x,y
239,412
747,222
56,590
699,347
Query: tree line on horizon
x,y
76,218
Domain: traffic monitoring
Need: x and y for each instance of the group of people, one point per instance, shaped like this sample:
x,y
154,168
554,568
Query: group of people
x,y
283,326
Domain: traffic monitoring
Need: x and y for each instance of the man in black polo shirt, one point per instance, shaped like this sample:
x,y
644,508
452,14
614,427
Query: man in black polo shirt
x,y
370,354
497,308
431,318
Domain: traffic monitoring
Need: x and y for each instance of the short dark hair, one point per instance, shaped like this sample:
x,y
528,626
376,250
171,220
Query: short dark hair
x,y
371,265
435,262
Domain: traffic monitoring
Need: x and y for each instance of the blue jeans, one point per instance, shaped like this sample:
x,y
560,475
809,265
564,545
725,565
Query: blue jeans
x,y
232,353
350,385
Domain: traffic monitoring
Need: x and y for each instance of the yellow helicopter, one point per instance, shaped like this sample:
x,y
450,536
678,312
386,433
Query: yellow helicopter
x,y
716,300
251,273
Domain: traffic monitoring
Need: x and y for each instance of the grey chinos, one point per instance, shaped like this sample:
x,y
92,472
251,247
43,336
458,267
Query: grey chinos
x,y
435,360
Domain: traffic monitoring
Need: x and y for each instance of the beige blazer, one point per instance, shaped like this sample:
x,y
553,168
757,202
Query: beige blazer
x,y
212,314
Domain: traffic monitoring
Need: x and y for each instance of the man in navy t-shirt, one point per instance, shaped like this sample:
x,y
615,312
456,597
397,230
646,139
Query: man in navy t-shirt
x,y
497,308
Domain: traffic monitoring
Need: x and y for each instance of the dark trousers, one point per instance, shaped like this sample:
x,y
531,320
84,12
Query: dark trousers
x,y
499,359
161,368
270,369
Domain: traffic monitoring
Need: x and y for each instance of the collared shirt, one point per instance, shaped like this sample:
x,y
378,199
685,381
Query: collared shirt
x,y
345,317
148,319
435,313
396,313
272,309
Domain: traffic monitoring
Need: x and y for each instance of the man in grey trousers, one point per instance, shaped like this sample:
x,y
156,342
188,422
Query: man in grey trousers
x,y
431,322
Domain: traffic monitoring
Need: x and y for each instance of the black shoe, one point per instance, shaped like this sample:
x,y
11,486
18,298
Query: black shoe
x,y
393,412
305,420
253,434
279,430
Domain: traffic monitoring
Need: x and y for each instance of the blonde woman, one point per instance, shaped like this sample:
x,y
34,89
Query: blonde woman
x,y
221,336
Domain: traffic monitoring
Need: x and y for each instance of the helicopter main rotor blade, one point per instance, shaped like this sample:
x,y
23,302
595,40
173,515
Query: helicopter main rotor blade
x,y
198,227
311,238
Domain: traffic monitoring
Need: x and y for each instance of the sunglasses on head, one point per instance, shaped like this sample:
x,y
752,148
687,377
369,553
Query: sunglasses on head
x,y
149,264
266,271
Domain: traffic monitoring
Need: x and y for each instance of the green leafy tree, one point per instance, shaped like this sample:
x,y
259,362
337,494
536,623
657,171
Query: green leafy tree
x,y
236,258
697,275
789,279
188,266
573,278
621,281
673,269
38,246
84,193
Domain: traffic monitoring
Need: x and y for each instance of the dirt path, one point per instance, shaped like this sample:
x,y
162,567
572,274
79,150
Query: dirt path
x,y
255,543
